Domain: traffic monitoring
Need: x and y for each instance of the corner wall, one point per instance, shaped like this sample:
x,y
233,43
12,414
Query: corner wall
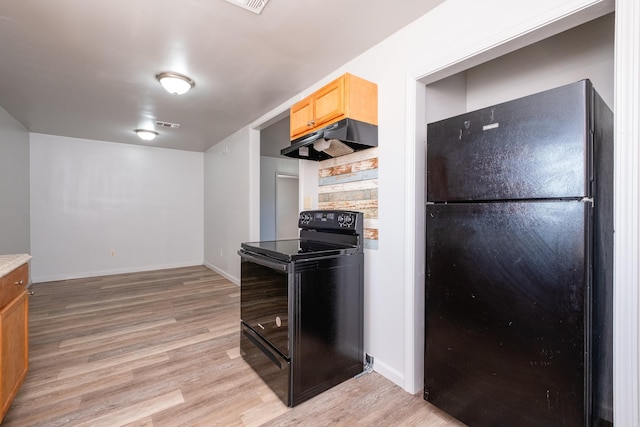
x,y
14,186
230,169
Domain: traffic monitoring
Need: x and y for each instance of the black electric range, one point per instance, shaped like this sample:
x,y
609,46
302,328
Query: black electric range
x,y
302,305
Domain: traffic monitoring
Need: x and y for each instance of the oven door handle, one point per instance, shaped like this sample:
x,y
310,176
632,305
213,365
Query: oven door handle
x,y
279,266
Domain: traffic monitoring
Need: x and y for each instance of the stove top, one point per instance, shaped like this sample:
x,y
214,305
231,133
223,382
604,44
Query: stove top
x,y
294,249
322,233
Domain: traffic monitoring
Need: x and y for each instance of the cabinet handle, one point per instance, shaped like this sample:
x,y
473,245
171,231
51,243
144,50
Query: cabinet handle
x,y
31,293
20,283
311,123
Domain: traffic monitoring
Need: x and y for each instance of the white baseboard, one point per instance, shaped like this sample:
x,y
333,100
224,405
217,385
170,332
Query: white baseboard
x,y
222,273
388,372
82,275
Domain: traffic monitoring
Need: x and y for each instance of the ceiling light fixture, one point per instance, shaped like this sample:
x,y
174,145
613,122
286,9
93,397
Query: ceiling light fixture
x,y
175,83
146,135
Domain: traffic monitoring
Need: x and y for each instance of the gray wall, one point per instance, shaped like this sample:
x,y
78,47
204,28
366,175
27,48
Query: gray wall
x,y
14,186
583,52
269,168
272,139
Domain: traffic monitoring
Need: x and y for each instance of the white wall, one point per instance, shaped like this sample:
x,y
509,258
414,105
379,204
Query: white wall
x,y
90,197
14,186
228,201
452,33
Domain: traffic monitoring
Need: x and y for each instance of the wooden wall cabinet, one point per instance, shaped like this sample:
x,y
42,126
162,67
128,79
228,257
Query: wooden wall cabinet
x,y
346,97
14,328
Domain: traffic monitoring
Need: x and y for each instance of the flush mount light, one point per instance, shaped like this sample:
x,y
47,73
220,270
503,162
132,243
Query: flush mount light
x,y
146,135
175,83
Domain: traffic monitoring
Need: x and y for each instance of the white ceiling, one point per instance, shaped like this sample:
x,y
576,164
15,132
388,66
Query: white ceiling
x,y
86,68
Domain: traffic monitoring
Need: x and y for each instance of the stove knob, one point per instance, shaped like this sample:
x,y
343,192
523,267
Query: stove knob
x,y
349,220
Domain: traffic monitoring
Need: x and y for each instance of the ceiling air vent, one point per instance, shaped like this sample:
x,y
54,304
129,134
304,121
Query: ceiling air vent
x,y
168,125
254,6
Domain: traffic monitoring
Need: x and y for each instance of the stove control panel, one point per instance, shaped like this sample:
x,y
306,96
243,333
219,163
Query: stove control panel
x,y
332,219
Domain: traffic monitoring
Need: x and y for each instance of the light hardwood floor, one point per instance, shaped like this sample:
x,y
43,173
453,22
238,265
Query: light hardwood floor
x,y
161,349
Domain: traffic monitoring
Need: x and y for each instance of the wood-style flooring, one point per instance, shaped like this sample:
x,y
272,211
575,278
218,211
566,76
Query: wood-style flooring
x,y
160,348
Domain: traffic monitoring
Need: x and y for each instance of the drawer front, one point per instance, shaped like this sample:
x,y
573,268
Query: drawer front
x,y
13,284
274,369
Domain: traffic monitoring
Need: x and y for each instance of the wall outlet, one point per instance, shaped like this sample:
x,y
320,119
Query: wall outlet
x,y
113,253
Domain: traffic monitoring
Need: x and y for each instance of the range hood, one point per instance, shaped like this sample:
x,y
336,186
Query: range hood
x,y
337,139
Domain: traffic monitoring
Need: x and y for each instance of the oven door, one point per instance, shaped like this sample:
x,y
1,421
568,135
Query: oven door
x,y
264,298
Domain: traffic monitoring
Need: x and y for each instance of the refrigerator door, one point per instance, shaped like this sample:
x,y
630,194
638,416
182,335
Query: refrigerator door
x,y
506,298
534,147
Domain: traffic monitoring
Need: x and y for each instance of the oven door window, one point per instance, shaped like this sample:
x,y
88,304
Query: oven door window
x,y
264,303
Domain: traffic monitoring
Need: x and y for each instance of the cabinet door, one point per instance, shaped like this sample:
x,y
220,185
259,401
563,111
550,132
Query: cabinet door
x,y
301,118
329,102
14,357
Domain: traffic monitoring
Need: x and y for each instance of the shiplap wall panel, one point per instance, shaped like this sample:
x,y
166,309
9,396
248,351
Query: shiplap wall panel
x,y
351,183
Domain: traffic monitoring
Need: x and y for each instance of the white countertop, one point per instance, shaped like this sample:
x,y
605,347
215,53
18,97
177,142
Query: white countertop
x,y
8,263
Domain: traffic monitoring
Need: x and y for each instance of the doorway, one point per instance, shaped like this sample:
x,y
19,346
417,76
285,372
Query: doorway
x,y
286,206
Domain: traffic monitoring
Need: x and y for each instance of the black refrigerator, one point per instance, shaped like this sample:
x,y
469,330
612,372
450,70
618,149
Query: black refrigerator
x,y
519,246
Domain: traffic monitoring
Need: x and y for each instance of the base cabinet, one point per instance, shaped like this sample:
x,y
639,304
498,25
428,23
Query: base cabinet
x,y
14,341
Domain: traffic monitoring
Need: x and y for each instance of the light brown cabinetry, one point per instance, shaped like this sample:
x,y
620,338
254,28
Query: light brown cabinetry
x,y
347,96
14,344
